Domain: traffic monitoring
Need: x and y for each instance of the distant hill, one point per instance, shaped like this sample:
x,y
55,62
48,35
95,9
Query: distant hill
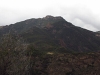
x,y
54,33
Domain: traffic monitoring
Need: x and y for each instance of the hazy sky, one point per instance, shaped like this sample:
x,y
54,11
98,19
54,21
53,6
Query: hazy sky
x,y
83,13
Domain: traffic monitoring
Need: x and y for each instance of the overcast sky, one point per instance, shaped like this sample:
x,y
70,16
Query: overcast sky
x,y
83,13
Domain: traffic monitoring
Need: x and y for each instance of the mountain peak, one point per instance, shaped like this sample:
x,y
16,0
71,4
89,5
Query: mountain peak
x,y
54,31
52,17
49,16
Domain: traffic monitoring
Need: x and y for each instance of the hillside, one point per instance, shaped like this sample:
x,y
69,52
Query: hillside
x,y
54,33
48,46
68,64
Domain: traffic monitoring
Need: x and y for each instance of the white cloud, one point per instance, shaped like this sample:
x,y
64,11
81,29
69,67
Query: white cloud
x,y
83,13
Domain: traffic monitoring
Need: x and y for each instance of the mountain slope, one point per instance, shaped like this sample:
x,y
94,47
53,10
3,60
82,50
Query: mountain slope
x,y
73,37
54,33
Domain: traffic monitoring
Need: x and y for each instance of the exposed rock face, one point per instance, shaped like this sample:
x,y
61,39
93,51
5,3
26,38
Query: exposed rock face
x,y
48,16
97,34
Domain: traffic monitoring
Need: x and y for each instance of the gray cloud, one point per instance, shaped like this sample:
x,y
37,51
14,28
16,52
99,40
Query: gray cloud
x,y
78,14
82,17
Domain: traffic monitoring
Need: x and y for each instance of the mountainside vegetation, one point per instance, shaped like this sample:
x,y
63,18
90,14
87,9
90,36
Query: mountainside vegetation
x,y
48,46
52,32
